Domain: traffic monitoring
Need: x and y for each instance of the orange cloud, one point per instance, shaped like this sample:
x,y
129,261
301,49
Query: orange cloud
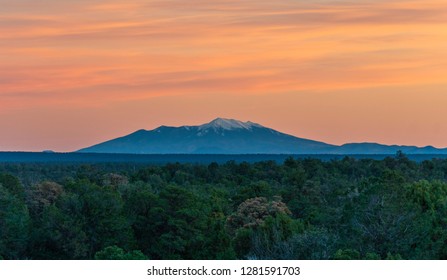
x,y
95,55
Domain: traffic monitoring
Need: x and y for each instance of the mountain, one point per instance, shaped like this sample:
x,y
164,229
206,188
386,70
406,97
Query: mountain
x,y
374,148
228,136
220,136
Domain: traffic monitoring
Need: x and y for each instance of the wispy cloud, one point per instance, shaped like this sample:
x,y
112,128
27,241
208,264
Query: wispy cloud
x,y
81,53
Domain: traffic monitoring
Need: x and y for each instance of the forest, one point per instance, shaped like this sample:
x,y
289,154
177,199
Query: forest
x,y
393,208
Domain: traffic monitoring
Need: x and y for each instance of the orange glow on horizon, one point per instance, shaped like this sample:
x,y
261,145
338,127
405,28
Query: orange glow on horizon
x,y
75,73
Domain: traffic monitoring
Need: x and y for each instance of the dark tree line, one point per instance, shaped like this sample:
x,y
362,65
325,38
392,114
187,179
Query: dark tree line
x,y
301,209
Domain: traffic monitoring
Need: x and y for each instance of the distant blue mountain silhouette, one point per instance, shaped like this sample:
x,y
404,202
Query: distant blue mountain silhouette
x,y
228,136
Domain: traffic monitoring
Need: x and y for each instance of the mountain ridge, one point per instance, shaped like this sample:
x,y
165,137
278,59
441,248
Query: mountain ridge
x,y
230,136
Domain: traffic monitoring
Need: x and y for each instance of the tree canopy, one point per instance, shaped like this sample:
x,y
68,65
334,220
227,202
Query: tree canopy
x,y
300,209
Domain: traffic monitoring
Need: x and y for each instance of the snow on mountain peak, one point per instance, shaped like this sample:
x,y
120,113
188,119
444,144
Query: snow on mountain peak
x,y
228,124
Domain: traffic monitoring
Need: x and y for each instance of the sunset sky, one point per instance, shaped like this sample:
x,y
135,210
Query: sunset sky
x,y
77,72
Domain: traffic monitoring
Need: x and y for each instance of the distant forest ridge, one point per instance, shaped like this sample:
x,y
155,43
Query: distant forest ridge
x,y
24,157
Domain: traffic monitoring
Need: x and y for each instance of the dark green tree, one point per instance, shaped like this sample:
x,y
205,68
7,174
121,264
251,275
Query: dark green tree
x,y
14,225
116,253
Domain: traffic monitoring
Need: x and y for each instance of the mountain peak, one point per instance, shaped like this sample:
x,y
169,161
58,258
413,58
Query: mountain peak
x,y
228,124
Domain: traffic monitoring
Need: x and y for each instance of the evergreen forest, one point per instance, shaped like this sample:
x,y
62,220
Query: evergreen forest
x,y
393,208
